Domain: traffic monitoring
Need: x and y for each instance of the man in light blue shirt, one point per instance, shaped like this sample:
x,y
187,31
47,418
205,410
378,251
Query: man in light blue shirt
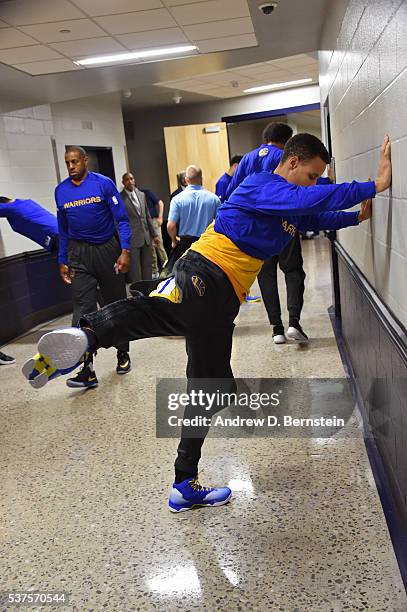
x,y
190,214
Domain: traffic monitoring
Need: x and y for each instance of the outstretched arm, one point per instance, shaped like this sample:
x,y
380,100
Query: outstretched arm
x,y
292,199
335,220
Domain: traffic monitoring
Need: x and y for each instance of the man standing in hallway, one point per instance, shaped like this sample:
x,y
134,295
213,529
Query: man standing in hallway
x,y
94,248
192,211
224,181
156,210
266,158
181,184
143,232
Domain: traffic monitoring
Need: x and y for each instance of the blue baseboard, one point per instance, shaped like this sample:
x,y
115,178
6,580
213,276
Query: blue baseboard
x,y
395,523
31,293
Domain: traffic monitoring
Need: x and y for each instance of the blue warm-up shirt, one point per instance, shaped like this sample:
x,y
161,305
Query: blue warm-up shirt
x,y
262,216
31,220
90,212
152,200
222,186
263,159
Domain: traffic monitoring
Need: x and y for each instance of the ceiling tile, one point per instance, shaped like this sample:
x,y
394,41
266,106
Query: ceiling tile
x,y
13,38
288,58
152,38
185,84
88,46
253,68
224,92
271,76
107,7
231,75
136,22
219,29
214,77
214,10
178,2
34,68
24,12
231,42
35,53
297,63
50,32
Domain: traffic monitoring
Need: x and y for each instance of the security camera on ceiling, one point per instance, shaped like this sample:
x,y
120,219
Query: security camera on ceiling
x,y
268,7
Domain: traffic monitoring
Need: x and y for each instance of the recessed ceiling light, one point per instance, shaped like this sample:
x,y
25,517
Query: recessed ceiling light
x,y
276,86
65,31
134,55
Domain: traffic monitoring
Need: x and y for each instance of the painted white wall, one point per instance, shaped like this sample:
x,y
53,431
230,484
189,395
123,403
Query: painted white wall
x,y
365,76
27,167
104,115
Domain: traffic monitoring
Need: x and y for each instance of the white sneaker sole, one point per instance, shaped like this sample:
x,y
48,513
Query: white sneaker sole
x,y
63,347
220,503
279,339
294,334
39,381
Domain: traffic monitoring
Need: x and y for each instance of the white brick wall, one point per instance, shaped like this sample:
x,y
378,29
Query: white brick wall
x,y
365,77
27,166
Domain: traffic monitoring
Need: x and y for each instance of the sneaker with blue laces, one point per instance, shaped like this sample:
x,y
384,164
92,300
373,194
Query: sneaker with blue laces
x,y
189,494
59,352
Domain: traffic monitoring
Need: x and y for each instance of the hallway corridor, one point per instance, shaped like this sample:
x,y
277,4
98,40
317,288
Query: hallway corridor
x,y
85,486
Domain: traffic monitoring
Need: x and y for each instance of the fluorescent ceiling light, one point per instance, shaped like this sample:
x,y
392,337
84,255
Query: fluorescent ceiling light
x,y
276,86
134,55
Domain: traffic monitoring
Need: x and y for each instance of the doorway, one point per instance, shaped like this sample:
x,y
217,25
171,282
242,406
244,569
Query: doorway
x,y
205,145
100,160
246,135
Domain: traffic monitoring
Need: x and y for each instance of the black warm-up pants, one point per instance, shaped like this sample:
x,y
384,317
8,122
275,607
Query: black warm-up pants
x,y
291,263
204,316
94,278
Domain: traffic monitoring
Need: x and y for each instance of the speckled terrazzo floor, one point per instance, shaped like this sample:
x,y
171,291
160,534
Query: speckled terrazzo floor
x,y
85,484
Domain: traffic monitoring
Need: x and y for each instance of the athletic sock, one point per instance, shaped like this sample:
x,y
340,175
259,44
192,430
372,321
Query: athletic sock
x,y
181,476
92,339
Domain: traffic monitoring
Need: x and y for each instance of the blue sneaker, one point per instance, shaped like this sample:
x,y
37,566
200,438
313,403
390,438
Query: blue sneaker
x,y
251,299
59,352
189,493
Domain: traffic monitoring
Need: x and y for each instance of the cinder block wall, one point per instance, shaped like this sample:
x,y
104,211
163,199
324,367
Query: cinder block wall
x,y
364,76
364,81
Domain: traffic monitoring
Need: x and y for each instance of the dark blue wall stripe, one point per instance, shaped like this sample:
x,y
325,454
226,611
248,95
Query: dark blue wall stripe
x,y
272,113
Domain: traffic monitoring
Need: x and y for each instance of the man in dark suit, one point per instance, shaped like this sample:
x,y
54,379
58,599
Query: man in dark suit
x,y
181,184
143,232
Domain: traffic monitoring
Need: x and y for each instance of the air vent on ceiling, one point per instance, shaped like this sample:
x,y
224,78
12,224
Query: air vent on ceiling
x,y
87,125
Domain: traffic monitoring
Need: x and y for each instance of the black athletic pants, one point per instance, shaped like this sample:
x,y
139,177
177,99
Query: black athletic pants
x,y
178,251
205,317
94,278
291,263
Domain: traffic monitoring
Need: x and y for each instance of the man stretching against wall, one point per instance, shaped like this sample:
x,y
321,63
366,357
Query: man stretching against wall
x,y
203,298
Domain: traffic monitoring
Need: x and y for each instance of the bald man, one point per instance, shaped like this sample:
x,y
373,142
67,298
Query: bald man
x,y
190,213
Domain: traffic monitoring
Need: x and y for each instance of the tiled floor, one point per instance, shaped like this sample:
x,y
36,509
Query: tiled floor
x,y
85,484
